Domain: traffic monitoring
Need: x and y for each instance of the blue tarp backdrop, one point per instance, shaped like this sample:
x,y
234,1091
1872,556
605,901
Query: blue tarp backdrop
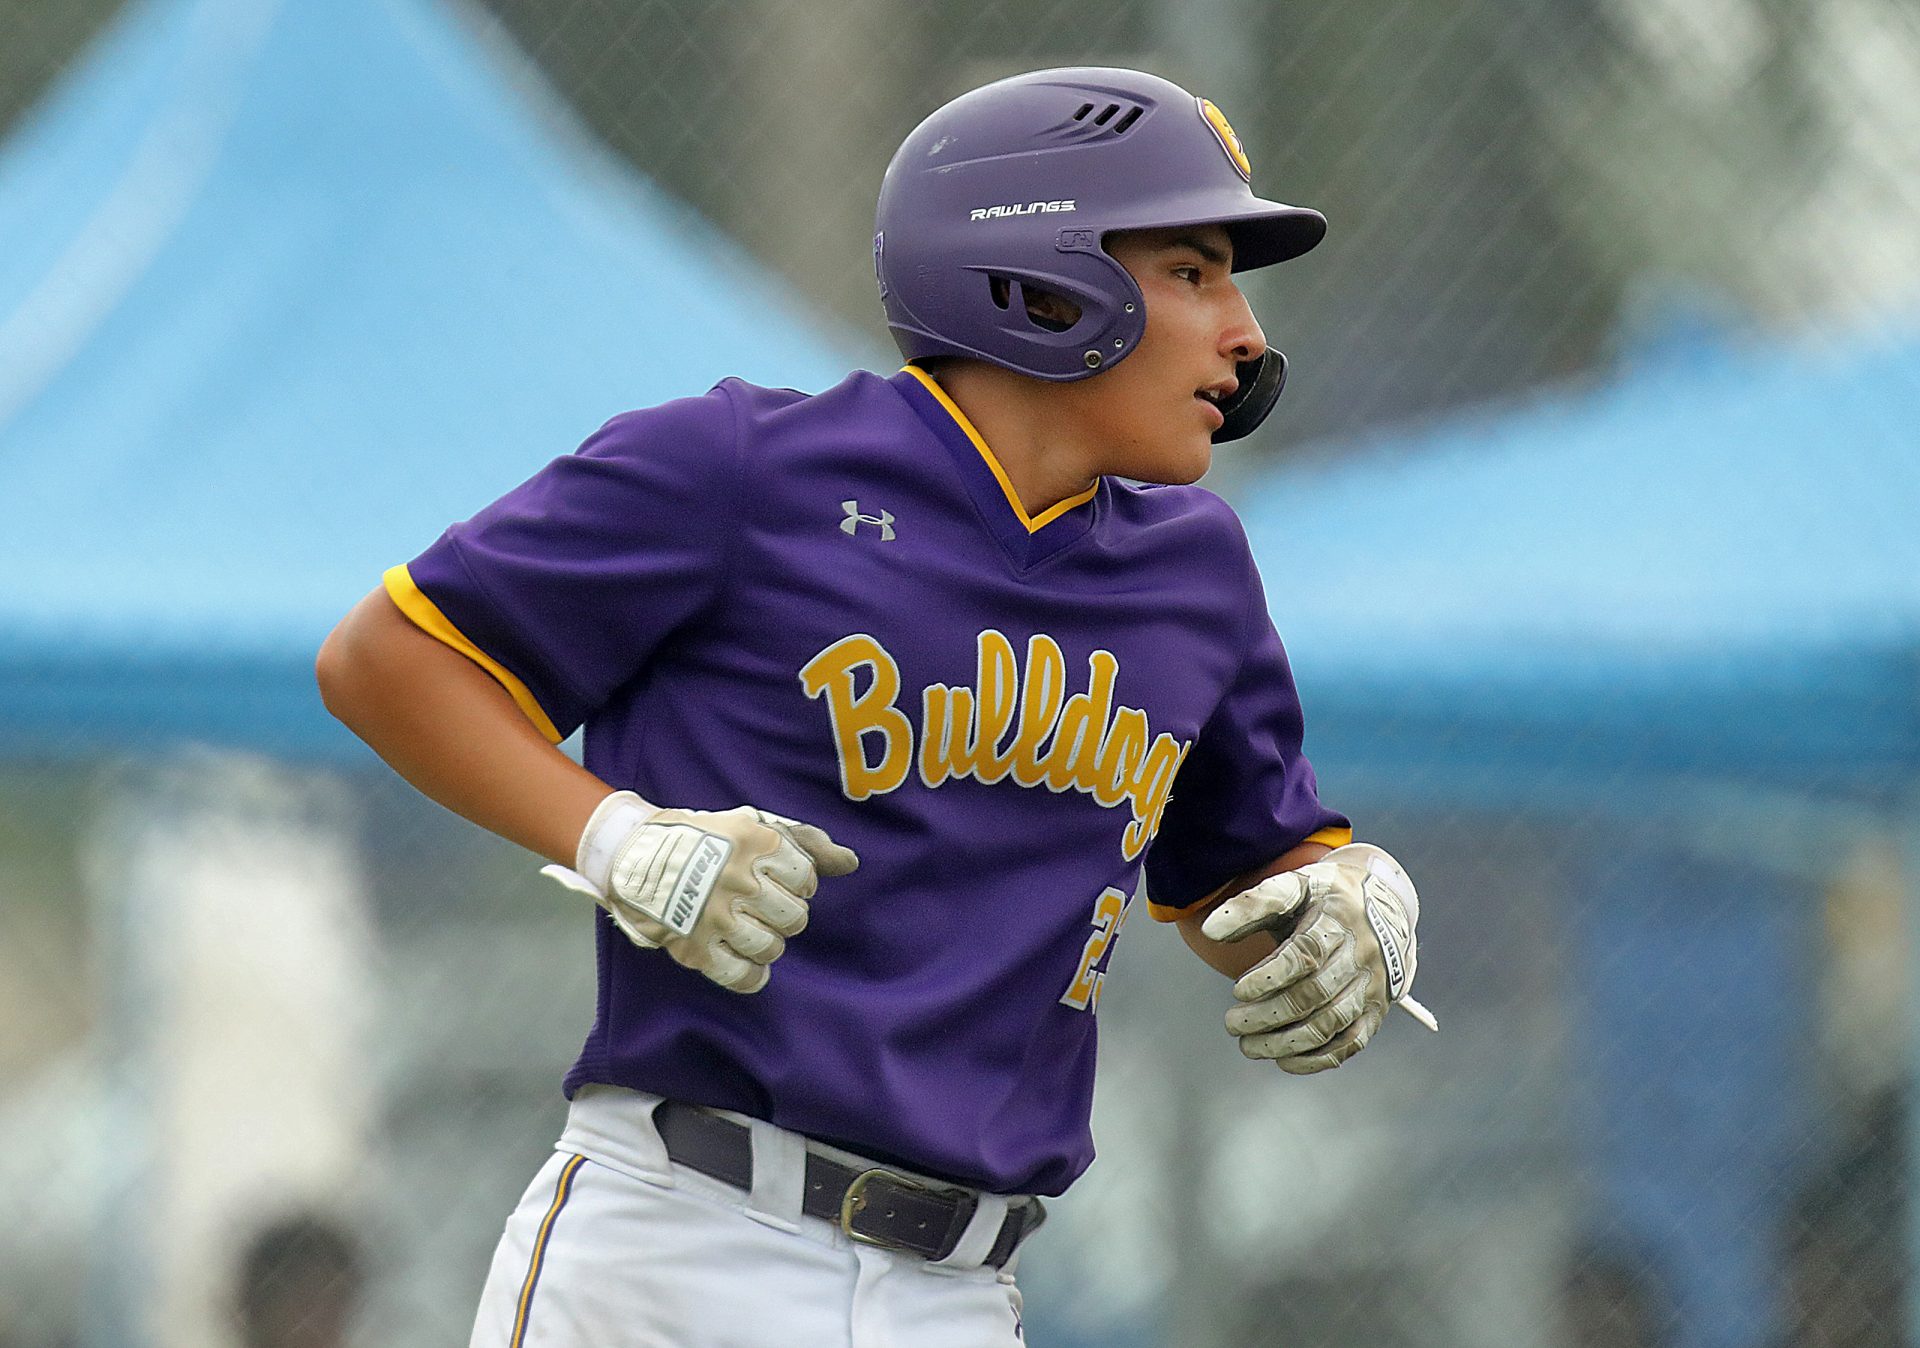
x,y
286,286
1704,571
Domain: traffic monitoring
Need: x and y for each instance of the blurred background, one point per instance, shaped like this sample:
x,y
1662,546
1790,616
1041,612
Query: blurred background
x,y
1589,517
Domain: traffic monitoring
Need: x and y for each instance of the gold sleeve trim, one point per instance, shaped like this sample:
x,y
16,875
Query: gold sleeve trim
x,y
1332,837
426,615
1162,913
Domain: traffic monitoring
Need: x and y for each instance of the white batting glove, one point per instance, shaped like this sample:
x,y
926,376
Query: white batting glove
x,y
719,891
1317,1000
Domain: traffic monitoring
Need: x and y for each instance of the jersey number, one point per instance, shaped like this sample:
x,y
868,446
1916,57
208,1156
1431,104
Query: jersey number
x,y
1109,912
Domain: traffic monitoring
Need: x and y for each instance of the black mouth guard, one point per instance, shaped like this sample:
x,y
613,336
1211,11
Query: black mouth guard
x,y
1261,380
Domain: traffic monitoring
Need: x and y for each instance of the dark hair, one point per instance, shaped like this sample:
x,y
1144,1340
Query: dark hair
x,y
297,1282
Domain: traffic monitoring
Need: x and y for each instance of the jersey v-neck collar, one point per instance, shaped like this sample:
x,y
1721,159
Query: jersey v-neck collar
x,y
1027,539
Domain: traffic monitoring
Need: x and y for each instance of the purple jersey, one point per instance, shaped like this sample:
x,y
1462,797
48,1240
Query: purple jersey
x,y
834,607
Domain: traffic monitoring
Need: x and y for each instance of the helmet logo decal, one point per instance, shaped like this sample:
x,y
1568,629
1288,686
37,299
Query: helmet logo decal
x,y
1019,208
1223,132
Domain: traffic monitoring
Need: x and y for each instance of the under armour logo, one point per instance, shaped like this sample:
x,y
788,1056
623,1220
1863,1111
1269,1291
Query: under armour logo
x,y
851,524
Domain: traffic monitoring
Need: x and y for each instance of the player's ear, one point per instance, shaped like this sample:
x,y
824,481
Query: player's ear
x,y
1055,313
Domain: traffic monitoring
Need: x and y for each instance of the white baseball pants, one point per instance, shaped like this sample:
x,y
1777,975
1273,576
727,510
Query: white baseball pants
x,y
614,1246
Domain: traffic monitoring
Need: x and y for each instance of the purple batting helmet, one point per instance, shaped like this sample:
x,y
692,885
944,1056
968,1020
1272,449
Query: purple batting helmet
x,y
1018,183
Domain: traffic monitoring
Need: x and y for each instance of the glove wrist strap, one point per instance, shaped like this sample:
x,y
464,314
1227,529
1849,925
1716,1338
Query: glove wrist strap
x,y
611,824
1397,931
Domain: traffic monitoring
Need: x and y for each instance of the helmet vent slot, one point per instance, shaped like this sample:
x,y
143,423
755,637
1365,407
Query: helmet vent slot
x,y
1094,121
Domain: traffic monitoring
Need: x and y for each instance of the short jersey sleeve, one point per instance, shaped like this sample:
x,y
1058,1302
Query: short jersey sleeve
x,y
1246,792
563,588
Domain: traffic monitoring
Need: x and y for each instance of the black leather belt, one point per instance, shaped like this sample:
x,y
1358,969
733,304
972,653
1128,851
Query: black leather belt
x,y
874,1206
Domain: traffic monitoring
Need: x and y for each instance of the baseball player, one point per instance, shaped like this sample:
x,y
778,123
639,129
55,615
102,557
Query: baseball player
x,y
891,694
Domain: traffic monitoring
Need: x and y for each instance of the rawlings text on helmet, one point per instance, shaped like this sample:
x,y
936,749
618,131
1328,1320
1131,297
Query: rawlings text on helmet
x,y
1024,208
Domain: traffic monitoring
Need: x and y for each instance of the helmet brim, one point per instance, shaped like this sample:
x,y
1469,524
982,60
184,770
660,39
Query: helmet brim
x,y
1263,232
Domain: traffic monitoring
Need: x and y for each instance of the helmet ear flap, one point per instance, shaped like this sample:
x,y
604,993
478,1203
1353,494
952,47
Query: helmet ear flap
x,y
1066,321
1261,380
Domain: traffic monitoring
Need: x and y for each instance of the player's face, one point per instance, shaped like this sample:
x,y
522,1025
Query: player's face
x,y
1154,407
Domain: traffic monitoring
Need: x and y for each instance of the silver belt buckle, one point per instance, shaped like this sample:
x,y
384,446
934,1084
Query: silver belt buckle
x,y
854,1202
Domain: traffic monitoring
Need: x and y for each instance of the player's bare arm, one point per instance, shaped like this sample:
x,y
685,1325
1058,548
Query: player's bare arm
x,y
1235,958
451,730
719,891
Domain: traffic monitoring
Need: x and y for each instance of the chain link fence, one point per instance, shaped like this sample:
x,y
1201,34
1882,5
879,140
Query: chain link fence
x,y
283,1041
